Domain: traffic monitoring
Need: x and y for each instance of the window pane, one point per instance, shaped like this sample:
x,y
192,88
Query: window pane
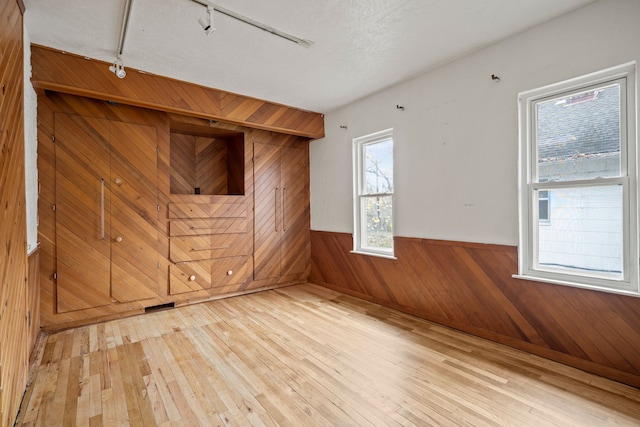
x,y
578,136
586,230
543,206
378,167
378,232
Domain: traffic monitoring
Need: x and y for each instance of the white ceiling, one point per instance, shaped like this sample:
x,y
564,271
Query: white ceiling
x,y
359,46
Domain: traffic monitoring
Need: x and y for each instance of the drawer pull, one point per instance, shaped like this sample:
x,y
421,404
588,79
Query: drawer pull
x,y
208,249
192,277
229,273
209,228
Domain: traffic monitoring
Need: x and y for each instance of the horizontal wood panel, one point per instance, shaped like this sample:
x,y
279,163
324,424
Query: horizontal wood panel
x,y
67,73
193,248
207,210
470,287
207,226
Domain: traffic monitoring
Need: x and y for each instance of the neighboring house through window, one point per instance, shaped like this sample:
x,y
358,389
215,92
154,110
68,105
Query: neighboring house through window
x,y
578,185
373,193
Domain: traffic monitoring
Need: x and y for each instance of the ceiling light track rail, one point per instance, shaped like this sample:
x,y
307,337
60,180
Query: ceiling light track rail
x,y
254,23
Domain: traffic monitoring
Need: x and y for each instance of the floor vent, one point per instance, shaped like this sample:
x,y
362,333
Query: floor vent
x,y
159,307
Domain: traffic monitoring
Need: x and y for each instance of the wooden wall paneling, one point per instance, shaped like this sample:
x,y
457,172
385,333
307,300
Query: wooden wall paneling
x,y
67,73
470,287
134,212
14,328
33,292
183,163
82,206
235,163
211,165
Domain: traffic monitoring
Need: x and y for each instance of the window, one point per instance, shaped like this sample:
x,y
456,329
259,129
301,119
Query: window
x,y
577,150
373,193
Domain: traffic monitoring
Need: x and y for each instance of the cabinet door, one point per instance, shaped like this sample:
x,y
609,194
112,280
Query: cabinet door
x,y
134,214
295,246
82,212
266,195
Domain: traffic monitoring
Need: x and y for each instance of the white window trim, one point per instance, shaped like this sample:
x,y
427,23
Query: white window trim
x,y
629,285
358,223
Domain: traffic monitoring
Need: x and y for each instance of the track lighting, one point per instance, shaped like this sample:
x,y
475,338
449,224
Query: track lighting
x,y
118,68
206,22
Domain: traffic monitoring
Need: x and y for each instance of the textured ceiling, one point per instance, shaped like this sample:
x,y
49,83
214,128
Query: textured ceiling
x,y
359,46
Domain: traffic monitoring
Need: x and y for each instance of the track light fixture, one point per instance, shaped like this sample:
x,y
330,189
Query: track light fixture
x,y
206,22
118,68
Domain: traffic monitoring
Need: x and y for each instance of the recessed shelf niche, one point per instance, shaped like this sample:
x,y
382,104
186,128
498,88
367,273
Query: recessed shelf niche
x,y
205,160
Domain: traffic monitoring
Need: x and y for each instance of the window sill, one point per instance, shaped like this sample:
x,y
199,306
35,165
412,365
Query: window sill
x,y
577,285
375,254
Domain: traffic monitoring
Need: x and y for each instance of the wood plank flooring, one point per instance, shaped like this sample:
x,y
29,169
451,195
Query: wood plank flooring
x,y
305,356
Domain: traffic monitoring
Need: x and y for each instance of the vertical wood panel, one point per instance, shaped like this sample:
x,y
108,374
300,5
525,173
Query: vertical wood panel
x,y
134,214
295,249
267,228
14,332
82,173
33,306
470,287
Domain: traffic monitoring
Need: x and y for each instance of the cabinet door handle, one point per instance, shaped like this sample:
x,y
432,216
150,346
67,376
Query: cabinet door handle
x,y
284,195
275,203
118,239
102,209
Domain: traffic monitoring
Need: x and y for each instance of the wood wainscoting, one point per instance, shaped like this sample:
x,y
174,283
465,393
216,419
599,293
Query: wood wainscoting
x,y
470,287
33,297
14,351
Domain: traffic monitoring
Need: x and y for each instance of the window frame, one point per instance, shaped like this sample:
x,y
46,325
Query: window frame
x,y
360,196
529,185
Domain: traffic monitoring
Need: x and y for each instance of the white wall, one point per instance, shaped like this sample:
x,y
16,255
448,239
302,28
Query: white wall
x,y
30,149
456,142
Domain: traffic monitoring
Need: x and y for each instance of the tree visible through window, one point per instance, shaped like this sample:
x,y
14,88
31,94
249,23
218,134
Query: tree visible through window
x,y
373,184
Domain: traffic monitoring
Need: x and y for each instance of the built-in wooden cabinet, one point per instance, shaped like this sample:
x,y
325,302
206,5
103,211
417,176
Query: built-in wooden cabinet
x,y
281,200
105,212
209,245
141,209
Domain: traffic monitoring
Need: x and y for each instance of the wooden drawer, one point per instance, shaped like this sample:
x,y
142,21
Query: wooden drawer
x,y
199,227
229,271
194,248
190,277
207,210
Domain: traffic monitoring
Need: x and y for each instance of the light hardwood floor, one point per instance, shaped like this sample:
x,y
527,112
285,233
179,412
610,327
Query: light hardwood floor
x,y
305,356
